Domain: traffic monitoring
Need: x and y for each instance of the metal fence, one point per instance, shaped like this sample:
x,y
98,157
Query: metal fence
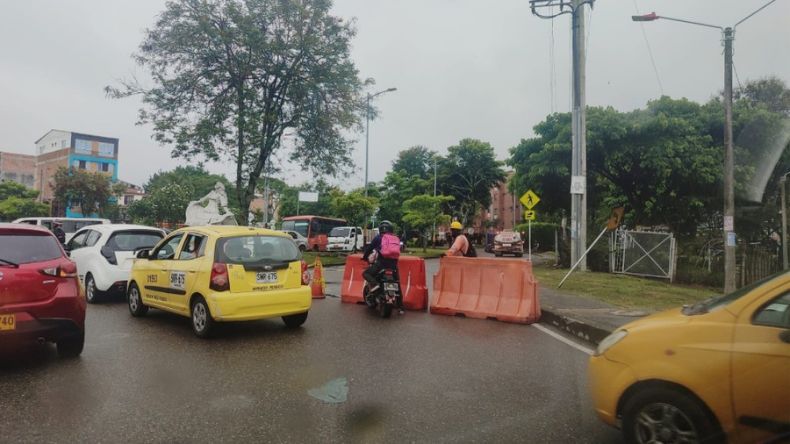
x,y
643,253
756,262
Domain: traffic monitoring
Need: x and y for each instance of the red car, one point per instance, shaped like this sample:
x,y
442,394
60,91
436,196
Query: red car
x,y
40,298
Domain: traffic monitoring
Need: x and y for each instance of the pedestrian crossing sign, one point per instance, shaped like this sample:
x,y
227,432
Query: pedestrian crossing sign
x,y
529,199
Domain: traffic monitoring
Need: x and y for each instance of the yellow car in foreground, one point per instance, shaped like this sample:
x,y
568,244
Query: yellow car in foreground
x,y
717,371
221,273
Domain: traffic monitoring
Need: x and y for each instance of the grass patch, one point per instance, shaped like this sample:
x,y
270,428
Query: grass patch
x,y
429,253
623,291
327,259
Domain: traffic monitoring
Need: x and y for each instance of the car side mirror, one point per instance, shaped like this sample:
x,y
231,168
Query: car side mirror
x,y
784,336
143,254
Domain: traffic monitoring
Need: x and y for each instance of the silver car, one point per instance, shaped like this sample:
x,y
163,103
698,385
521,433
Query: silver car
x,y
299,240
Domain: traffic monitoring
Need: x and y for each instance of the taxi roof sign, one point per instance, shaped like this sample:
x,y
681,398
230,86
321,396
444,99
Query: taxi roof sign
x,y
529,199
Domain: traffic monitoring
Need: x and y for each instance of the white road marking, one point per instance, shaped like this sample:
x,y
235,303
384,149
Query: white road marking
x,y
562,338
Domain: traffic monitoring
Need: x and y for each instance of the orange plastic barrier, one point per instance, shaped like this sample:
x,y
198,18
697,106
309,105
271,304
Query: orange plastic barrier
x,y
483,288
411,270
351,287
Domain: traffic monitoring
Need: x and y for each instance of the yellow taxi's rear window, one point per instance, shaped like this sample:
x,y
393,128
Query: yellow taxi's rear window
x,y
255,249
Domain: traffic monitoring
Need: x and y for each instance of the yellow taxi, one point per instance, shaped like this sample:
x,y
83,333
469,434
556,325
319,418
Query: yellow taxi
x,y
716,371
222,273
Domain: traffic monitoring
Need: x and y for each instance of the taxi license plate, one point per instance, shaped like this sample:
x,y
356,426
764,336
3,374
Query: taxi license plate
x,y
7,322
266,277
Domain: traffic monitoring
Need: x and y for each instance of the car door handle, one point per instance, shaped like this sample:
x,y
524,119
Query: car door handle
x,y
785,336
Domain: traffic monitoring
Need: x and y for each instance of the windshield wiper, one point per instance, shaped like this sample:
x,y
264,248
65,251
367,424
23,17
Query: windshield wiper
x,y
7,262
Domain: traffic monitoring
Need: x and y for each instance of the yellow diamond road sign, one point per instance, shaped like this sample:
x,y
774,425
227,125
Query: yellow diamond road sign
x,y
529,199
529,215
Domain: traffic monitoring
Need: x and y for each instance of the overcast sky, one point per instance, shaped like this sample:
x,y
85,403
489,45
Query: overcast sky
x,y
463,68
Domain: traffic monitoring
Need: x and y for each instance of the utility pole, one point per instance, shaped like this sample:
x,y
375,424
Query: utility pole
x,y
579,120
729,170
367,130
728,227
783,185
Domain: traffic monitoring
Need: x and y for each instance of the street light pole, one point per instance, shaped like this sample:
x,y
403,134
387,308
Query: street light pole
x,y
579,120
728,227
367,130
433,232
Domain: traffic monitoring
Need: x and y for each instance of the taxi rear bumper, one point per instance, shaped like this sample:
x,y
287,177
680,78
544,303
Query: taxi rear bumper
x,y
247,306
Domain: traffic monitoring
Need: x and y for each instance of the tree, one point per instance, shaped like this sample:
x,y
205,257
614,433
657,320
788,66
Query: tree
x,y
326,193
16,207
91,192
423,211
416,161
14,189
165,204
197,182
354,207
232,78
468,173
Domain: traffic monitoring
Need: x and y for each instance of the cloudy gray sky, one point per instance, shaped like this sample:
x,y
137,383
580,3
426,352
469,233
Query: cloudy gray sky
x,y
463,68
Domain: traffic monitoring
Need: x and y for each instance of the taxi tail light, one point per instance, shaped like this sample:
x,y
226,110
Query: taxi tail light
x,y
219,277
305,274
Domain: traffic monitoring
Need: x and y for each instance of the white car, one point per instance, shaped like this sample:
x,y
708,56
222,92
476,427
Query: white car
x,y
104,255
347,239
299,240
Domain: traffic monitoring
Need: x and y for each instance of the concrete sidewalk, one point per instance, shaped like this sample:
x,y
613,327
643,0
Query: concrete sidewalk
x,y
583,318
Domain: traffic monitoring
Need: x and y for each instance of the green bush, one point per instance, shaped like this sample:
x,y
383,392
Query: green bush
x,y
542,234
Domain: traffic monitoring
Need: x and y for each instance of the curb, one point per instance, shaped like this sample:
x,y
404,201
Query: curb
x,y
578,329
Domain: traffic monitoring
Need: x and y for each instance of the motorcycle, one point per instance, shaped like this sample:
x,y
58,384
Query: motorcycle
x,y
388,295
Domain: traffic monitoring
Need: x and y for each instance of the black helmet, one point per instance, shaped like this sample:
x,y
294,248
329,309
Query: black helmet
x,y
385,227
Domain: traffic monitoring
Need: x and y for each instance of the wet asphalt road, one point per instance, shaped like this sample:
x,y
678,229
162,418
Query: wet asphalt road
x,y
415,378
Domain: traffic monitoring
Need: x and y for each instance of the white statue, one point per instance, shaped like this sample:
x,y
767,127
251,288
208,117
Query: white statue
x,y
211,209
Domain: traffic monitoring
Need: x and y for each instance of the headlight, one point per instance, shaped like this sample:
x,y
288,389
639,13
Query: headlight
x,y
609,341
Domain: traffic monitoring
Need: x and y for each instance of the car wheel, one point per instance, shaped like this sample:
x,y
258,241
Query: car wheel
x,y
295,321
135,301
666,415
302,248
92,294
71,346
202,322
498,254
519,254
315,248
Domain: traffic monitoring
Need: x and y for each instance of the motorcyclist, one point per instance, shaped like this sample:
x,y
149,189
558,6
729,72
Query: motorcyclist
x,y
378,261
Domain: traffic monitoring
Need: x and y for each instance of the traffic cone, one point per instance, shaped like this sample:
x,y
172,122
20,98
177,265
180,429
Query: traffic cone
x,y
317,285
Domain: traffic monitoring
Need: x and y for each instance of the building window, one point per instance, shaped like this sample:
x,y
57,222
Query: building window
x,y
82,165
127,200
82,146
106,149
105,167
63,143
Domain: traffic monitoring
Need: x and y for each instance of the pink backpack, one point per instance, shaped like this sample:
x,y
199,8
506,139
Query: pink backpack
x,y
390,246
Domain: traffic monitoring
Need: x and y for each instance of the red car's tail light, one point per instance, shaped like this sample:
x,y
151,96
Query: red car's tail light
x,y
68,269
305,274
219,277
